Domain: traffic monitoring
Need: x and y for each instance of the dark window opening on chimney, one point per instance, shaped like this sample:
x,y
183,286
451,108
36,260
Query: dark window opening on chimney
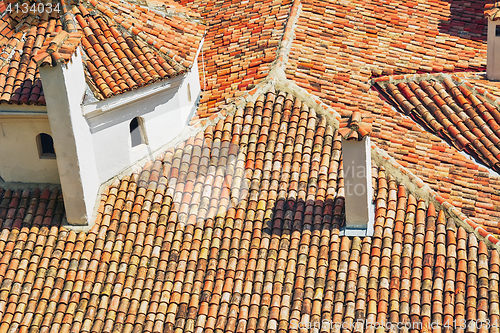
x,y
137,133
45,146
497,31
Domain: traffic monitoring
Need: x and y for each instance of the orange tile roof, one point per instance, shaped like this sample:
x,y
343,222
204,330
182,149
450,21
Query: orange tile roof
x,y
57,48
354,128
479,83
240,46
452,111
458,179
237,230
124,45
339,70
491,11
470,187
26,208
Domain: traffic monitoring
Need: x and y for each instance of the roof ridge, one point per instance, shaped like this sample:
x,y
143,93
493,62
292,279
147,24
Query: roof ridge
x,y
11,53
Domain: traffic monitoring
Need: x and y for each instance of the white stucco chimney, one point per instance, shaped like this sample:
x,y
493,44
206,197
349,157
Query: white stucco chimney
x,y
492,12
357,167
64,87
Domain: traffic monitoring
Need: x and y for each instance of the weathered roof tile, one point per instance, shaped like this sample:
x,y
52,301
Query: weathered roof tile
x,y
174,249
125,46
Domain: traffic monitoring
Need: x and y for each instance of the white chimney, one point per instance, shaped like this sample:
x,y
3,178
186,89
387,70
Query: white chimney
x,y
357,167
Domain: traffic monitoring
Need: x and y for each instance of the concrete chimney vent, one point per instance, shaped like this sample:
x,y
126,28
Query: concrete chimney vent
x,y
357,167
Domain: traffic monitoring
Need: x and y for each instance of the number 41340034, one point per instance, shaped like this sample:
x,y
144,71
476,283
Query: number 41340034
x,y
34,8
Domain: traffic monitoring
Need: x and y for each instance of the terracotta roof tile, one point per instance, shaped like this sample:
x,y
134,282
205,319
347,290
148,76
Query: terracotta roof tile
x,y
354,129
491,11
239,48
124,45
453,112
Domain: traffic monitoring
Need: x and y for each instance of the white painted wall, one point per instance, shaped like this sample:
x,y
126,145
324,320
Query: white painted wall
x,y
20,161
493,52
64,87
165,109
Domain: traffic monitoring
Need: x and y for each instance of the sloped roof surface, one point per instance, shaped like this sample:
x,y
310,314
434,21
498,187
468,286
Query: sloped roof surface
x,y
237,230
124,45
468,185
339,45
354,128
453,112
491,11
479,83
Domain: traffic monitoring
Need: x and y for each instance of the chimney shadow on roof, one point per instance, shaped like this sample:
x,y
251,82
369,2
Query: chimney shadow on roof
x,y
294,216
466,20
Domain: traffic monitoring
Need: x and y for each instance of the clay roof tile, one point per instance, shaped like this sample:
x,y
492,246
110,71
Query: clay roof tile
x,y
355,129
491,11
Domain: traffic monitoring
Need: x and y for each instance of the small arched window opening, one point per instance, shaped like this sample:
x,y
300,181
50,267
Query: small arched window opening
x,y
137,132
189,92
45,146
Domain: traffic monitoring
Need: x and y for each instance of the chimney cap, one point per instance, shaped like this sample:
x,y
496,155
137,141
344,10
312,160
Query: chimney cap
x,y
58,48
492,11
356,130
